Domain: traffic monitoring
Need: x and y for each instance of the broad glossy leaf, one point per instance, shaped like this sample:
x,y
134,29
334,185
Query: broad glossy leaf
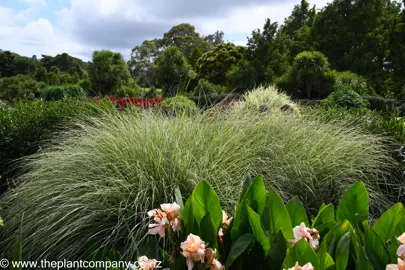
x,y
278,216
354,202
255,197
326,261
342,252
302,253
394,245
258,232
326,214
246,185
205,200
331,239
278,250
208,232
189,221
386,225
238,247
297,212
376,251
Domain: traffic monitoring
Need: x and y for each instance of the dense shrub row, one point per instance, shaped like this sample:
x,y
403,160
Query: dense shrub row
x,y
27,123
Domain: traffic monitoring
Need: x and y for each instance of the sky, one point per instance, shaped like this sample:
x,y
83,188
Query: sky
x,y
78,27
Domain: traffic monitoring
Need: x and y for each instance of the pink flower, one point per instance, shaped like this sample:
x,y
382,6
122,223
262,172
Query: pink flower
x,y
308,266
161,222
402,238
146,264
226,221
399,266
170,216
401,251
193,249
310,235
173,215
301,232
211,262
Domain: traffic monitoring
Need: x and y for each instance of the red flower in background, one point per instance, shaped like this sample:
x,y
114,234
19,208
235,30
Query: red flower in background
x,y
142,103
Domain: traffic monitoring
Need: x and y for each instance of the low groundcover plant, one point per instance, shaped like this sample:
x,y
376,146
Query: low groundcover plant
x,y
265,233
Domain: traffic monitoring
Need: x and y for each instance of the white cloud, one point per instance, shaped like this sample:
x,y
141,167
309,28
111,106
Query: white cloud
x,y
87,25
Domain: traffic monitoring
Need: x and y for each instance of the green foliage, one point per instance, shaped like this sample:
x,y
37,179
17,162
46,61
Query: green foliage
x,y
214,65
41,75
62,91
386,123
12,64
173,71
204,87
85,84
100,179
348,243
345,97
310,66
19,86
381,104
24,125
241,76
179,105
127,91
53,78
63,63
108,72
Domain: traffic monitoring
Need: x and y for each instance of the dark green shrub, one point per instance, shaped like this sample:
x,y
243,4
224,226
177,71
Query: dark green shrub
x,y
127,91
179,105
58,92
380,103
24,125
151,93
204,87
344,97
85,84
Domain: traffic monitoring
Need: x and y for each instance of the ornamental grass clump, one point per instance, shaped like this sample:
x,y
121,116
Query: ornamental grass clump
x,y
93,185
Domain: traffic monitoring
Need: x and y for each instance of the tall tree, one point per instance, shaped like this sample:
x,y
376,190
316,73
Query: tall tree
x,y
143,61
108,71
355,36
185,38
310,66
215,64
173,71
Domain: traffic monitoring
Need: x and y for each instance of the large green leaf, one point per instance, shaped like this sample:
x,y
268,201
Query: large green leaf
x,y
189,222
354,202
386,225
297,212
278,216
254,197
205,201
342,252
331,239
208,232
360,259
326,261
246,185
394,245
238,247
260,235
302,253
326,214
277,253
376,251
